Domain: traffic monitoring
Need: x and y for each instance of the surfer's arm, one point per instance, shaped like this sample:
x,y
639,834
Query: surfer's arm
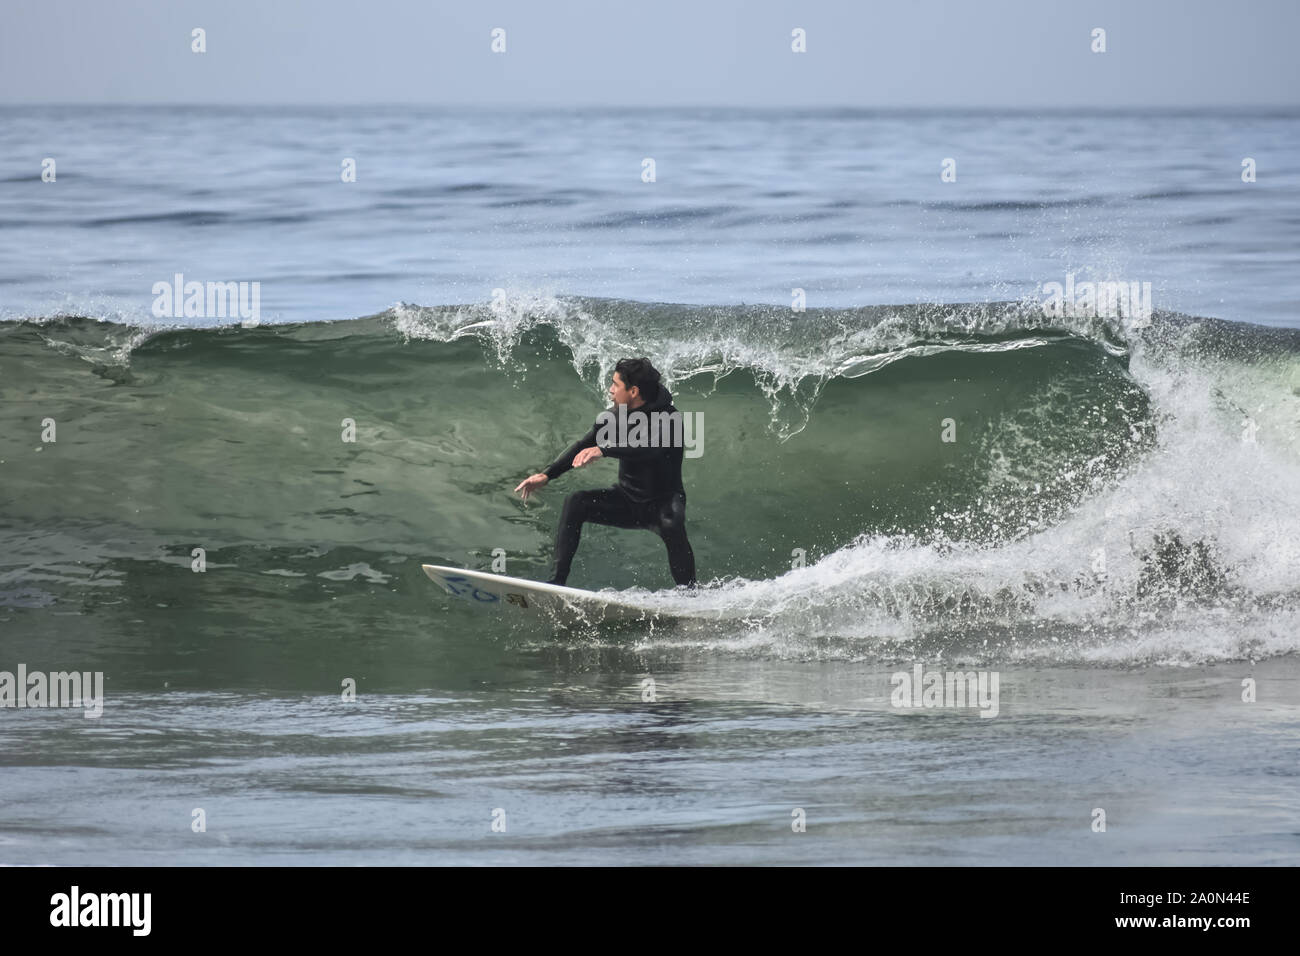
x,y
645,449
565,461
630,452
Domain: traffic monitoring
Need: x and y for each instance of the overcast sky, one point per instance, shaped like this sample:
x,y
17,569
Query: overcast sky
x,y
907,53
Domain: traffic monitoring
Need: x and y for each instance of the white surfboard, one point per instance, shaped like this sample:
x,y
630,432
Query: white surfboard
x,y
537,597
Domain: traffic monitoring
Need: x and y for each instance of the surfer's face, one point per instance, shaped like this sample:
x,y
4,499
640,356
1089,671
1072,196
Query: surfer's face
x,y
620,395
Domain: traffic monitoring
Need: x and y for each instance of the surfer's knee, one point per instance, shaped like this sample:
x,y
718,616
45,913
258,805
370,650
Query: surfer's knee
x,y
672,519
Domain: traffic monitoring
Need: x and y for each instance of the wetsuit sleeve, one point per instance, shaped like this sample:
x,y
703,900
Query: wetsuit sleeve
x,y
634,452
637,453
565,461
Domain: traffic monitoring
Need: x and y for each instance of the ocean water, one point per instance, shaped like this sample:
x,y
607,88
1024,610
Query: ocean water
x,y
1113,530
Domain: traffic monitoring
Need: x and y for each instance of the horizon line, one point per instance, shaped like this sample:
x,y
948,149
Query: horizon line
x,y
647,107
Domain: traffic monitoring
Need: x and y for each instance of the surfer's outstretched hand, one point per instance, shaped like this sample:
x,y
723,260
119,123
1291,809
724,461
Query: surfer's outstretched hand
x,y
531,484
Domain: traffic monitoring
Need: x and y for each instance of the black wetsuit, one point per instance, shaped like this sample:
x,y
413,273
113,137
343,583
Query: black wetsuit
x,y
649,493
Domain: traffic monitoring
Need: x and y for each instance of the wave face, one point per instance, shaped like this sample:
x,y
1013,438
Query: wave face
x,y
1106,497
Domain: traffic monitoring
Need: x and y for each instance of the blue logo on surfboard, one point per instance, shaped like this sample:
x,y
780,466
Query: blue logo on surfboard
x,y
464,587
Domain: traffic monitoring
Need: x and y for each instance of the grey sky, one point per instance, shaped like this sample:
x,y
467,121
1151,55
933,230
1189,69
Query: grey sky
x,y
1029,53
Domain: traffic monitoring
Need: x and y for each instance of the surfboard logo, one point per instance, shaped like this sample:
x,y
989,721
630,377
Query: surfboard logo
x,y
462,587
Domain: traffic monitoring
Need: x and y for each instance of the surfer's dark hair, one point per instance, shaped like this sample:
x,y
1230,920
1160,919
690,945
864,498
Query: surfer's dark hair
x,y
640,373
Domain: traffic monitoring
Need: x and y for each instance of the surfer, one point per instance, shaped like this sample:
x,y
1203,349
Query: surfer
x,y
649,493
